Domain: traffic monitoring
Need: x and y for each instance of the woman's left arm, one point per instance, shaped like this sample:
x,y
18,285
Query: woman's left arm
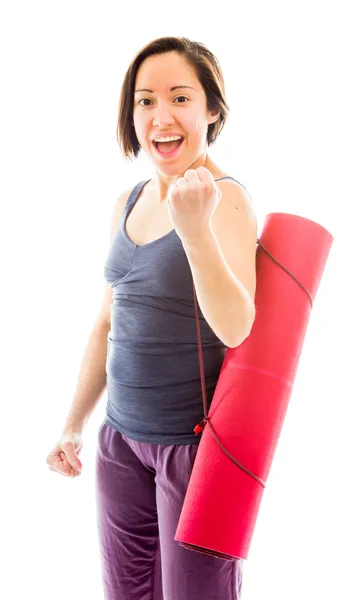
x,y
223,266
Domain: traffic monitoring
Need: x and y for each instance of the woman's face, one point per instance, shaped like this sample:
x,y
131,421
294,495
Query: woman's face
x,y
162,111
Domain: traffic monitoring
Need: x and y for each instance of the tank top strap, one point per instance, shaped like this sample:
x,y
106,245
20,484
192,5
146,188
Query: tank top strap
x,y
133,196
233,178
228,177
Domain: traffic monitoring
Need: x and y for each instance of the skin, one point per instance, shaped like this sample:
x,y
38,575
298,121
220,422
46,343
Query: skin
x,y
164,111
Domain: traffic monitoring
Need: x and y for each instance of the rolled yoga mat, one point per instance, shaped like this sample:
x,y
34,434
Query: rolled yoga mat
x,y
242,428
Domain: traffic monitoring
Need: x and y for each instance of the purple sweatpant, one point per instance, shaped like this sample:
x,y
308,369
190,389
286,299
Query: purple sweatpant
x,y
140,490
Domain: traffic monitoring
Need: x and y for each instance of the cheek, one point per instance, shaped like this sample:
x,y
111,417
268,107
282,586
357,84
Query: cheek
x,y
197,128
193,131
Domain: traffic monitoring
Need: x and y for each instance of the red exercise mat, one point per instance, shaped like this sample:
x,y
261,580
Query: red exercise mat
x,y
252,394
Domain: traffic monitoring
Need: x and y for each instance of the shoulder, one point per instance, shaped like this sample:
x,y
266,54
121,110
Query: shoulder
x,y
118,209
235,200
121,201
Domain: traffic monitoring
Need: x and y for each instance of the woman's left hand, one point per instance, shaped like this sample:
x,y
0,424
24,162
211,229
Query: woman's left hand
x,y
192,201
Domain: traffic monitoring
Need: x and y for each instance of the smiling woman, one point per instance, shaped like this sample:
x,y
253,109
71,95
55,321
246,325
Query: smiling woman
x,y
176,231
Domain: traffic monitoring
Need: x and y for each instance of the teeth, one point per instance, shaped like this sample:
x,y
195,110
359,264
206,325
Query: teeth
x,y
168,139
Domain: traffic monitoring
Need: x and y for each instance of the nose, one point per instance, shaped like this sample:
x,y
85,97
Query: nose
x,y
163,117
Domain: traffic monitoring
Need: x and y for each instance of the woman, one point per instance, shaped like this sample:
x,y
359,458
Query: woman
x,y
191,223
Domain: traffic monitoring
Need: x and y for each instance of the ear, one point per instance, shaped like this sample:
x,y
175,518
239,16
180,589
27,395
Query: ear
x,y
214,117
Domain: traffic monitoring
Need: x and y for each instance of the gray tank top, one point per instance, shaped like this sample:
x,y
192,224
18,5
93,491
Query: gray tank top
x,y
152,366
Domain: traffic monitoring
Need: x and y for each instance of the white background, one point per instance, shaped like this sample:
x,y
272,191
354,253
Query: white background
x,y
292,138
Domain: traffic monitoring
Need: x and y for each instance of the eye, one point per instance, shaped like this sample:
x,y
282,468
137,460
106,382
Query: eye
x,y
142,99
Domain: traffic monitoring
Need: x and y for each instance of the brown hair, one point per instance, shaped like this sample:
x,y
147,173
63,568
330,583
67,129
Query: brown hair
x,y
208,71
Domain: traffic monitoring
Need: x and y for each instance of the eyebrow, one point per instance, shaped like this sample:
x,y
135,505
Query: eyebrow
x,y
171,89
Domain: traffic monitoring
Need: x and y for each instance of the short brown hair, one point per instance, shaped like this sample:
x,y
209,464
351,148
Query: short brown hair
x,y
208,71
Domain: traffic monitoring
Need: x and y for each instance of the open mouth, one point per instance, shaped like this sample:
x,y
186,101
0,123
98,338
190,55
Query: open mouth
x,y
170,153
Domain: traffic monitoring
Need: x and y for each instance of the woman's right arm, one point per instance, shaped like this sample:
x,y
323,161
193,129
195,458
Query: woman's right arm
x,y
92,376
91,380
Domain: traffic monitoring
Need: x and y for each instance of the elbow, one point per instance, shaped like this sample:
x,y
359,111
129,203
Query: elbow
x,y
236,342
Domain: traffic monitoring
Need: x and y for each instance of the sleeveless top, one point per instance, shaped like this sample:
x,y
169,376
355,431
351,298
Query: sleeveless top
x,y
152,365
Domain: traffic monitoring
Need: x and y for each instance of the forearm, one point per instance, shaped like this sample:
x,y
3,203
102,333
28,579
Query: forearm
x,y
224,301
91,380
